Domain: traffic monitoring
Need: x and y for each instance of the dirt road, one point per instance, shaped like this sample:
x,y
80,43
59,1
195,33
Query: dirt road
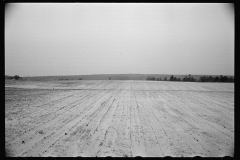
x,y
119,118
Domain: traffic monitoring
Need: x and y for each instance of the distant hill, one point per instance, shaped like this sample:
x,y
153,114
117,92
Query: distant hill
x,y
113,77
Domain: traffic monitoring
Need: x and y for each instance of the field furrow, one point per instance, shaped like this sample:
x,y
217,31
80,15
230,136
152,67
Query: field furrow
x,y
119,118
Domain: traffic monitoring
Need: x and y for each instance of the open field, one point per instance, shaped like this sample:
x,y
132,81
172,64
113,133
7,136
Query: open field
x,y
119,118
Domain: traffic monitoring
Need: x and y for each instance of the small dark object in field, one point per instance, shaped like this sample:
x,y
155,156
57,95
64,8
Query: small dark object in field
x,y
65,133
86,124
23,142
40,132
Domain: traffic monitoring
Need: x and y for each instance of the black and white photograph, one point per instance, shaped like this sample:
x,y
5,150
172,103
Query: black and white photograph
x,y
119,79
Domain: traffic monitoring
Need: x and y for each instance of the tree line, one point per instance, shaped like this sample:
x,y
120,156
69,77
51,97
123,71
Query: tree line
x,y
216,79
16,77
190,78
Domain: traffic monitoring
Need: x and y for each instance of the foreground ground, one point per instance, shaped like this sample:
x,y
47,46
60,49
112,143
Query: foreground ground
x,y
119,118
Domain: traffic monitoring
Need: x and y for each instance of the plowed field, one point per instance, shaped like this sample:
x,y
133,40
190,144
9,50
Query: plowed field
x,y
119,118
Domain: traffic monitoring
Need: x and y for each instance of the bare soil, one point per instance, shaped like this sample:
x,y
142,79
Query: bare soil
x,y
119,118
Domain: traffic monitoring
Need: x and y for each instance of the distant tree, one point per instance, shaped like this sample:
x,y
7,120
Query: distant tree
x,y
216,79
225,79
221,78
185,79
110,78
16,77
152,79
8,77
210,79
192,79
231,79
172,78
80,79
203,79
188,78
165,79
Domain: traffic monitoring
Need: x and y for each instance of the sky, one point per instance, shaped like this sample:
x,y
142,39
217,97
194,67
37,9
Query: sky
x,y
44,39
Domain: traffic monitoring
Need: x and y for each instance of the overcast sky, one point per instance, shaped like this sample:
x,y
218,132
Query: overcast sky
x,y
96,38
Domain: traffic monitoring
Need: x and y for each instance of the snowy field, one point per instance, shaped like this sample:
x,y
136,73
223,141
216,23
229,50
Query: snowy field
x,y
119,118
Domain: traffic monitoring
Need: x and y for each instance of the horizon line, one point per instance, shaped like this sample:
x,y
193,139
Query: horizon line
x,y
125,74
